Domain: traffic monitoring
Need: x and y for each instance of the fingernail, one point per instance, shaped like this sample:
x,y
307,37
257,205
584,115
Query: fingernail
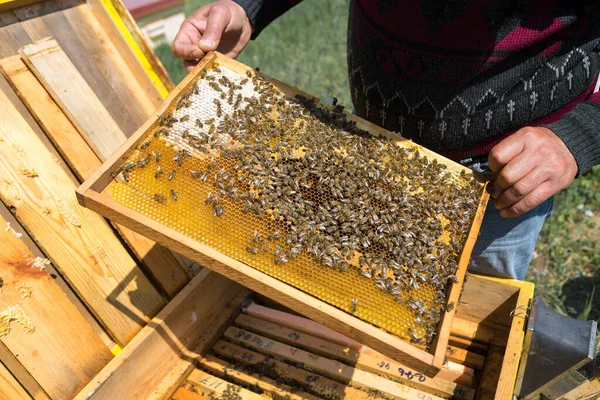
x,y
197,53
207,43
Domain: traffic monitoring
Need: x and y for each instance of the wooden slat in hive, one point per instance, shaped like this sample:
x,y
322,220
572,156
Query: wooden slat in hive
x,y
208,384
81,244
307,379
159,261
369,358
353,357
234,374
10,388
185,394
48,20
183,330
326,366
38,323
62,80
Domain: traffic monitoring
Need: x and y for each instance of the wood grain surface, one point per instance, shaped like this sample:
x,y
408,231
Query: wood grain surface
x,y
81,244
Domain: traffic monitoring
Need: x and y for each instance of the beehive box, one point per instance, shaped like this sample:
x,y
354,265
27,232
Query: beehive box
x,y
364,232
214,339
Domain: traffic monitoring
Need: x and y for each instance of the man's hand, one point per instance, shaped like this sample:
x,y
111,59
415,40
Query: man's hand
x,y
222,26
529,166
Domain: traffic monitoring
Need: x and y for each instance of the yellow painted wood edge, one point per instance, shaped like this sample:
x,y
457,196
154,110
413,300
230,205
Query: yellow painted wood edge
x,y
117,349
133,45
526,290
526,287
10,4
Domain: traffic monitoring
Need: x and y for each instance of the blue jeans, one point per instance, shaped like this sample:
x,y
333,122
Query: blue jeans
x,y
505,245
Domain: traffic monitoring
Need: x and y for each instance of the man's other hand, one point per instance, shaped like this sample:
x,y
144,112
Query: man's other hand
x,y
222,26
529,167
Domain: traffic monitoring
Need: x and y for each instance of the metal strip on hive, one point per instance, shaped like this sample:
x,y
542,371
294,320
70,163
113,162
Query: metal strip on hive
x,y
167,176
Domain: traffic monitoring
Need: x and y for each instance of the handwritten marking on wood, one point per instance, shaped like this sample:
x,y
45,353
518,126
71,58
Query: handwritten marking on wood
x,y
229,371
209,384
318,383
357,354
82,245
325,366
68,88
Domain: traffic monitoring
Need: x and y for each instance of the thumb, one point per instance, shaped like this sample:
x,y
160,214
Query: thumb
x,y
215,26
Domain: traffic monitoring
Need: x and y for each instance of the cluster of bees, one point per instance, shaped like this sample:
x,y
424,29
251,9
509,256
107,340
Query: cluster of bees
x,y
349,199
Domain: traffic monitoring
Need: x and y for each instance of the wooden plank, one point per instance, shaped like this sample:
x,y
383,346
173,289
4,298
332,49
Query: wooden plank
x,y
129,30
110,62
353,357
21,374
46,19
75,97
67,140
232,373
210,335
331,368
466,344
184,394
209,299
451,373
153,87
10,388
485,300
209,384
514,347
9,4
159,261
440,341
12,35
489,334
283,293
81,244
307,379
465,357
55,343
491,374
42,259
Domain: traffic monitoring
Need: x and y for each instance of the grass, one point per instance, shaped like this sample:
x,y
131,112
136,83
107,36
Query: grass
x,y
307,48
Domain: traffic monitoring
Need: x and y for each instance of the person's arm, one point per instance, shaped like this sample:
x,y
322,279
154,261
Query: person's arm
x,y
262,12
225,26
580,130
537,162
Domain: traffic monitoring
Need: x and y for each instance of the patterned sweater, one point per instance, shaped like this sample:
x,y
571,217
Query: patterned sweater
x,y
458,76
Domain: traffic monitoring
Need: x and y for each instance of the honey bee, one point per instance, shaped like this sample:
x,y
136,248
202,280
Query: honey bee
x,y
354,305
160,198
252,250
171,175
174,195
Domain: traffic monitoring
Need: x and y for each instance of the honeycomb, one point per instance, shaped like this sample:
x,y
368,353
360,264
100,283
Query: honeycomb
x,y
175,183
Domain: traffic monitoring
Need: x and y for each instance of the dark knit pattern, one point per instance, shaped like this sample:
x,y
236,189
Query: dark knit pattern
x,y
453,75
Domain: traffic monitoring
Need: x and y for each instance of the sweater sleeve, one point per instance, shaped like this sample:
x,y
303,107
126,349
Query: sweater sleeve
x,y
580,130
262,12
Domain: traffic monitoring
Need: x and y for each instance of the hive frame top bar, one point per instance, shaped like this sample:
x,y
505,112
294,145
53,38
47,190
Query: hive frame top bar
x,y
90,194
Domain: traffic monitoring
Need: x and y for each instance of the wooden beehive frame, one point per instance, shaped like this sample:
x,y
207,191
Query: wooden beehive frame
x,y
158,360
90,195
